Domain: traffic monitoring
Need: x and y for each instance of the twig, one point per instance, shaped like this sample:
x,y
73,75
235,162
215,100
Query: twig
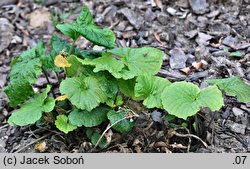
x,y
190,135
109,126
189,140
26,146
4,126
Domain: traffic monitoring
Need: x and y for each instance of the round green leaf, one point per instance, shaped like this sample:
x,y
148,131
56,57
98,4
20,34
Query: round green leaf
x,y
84,93
211,97
32,110
49,104
63,124
68,30
179,99
127,63
233,86
150,88
184,99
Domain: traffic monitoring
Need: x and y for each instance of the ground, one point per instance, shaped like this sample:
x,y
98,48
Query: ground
x,y
198,37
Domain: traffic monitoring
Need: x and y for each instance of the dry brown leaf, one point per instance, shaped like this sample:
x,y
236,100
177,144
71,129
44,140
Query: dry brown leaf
x,y
48,118
61,98
186,70
136,142
61,110
41,147
138,149
159,4
197,65
160,144
61,61
158,38
108,136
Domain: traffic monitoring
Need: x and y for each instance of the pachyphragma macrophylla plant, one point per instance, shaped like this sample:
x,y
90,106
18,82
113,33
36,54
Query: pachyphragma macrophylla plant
x,y
96,83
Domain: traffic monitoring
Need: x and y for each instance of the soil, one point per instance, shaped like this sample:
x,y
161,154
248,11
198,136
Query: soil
x,y
197,37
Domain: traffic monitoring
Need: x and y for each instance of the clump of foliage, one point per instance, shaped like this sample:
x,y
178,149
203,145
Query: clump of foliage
x,y
96,82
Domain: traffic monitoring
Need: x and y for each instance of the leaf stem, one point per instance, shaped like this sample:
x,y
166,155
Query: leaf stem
x,y
47,78
58,77
72,47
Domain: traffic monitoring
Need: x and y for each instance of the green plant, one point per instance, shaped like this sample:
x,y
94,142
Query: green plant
x,y
95,83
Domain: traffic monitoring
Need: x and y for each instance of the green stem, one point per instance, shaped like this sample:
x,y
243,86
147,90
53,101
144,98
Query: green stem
x,y
47,78
196,124
58,77
65,71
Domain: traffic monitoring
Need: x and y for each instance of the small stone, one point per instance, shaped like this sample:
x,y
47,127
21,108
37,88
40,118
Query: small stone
x,y
2,150
149,15
248,49
199,6
223,53
248,105
6,33
247,32
244,119
202,38
246,141
190,59
164,36
7,2
219,29
237,112
2,146
172,11
178,59
245,108
182,3
191,34
3,80
236,127
122,25
201,52
163,18
16,39
132,17
39,18
142,41
230,41
213,14
156,116
197,76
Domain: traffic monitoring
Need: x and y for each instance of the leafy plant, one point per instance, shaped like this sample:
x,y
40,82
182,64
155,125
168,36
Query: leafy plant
x,y
233,86
184,99
96,83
